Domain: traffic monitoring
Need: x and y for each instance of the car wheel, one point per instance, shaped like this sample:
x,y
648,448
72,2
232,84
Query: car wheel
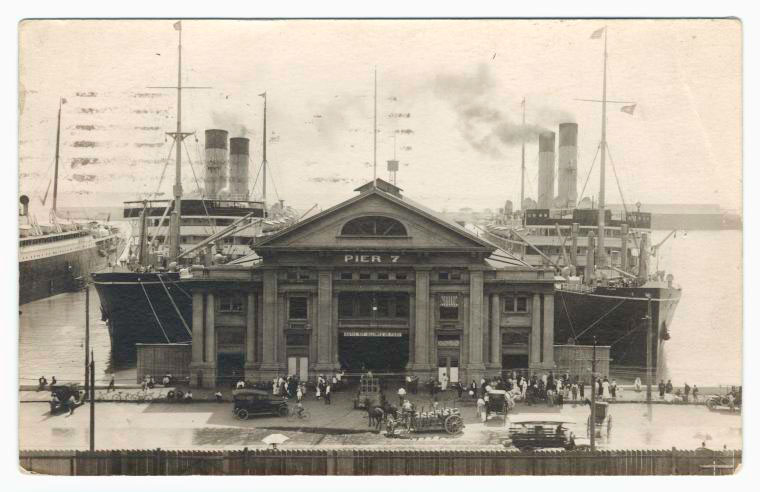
x,y
282,411
242,414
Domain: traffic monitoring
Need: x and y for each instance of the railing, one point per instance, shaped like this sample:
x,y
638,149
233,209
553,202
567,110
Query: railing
x,y
386,462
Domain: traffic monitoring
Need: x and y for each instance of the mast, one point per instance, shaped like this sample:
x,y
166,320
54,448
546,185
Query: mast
x,y
374,137
601,257
57,154
522,167
264,155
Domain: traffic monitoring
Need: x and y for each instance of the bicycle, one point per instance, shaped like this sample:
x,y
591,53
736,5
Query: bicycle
x,y
293,414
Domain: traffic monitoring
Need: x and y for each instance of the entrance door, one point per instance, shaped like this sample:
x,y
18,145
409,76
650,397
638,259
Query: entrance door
x,y
514,361
449,366
380,354
229,368
298,366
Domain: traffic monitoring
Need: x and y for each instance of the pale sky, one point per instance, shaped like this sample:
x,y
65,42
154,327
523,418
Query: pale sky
x,y
449,90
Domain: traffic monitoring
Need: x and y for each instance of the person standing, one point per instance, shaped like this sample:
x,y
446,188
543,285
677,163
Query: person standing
x,y
686,391
669,387
401,395
582,389
605,389
299,394
613,389
327,394
695,393
444,382
111,385
574,391
661,387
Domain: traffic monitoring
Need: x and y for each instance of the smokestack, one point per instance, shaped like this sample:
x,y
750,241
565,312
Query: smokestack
x,y
567,164
239,168
24,200
546,169
215,178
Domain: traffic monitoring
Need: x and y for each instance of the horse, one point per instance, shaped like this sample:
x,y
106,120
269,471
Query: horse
x,y
375,414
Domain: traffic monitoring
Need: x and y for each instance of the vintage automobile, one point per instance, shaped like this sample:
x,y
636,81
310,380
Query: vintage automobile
x,y
603,422
540,431
498,403
731,401
63,396
247,402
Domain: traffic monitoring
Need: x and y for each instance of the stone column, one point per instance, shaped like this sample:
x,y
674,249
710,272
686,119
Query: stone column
x,y
324,321
475,367
495,343
535,333
197,350
250,336
412,313
269,364
210,328
548,328
422,324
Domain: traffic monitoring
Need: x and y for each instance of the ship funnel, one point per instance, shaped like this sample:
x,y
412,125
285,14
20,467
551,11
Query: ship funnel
x,y
239,161
567,165
24,201
215,178
546,142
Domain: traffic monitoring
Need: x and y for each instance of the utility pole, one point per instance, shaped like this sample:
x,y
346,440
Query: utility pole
x,y
601,253
592,423
649,353
92,402
86,339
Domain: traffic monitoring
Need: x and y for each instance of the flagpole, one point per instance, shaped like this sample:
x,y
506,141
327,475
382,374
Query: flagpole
x,y
601,259
374,137
177,213
264,155
522,167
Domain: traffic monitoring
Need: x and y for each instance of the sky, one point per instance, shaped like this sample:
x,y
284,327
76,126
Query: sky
x,y
449,98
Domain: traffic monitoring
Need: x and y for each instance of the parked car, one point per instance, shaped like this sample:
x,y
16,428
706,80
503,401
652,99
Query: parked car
x,y
540,431
249,402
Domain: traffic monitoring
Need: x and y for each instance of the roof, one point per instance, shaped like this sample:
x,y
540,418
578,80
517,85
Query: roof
x,y
539,418
368,190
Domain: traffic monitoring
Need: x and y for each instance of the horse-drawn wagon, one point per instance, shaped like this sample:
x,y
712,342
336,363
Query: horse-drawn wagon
x,y
603,422
446,419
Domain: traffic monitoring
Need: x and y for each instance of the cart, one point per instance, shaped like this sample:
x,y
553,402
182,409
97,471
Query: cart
x,y
498,403
603,421
539,431
446,419
369,391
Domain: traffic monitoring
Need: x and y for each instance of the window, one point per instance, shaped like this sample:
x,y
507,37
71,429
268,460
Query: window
x,y
455,275
345,306
373,226
515,304
401,276
364,276
230,336
346,275
298,308
402,306
521,305
230,303
449,307
303,275
383,306
365,306
443,275
382,276
292,275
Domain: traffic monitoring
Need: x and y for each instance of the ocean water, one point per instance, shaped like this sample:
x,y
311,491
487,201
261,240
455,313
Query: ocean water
x,y
706,334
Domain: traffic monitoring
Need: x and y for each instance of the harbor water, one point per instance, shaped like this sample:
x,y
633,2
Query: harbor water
x,y
706,334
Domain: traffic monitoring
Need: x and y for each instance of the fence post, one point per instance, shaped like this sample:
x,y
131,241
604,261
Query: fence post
x,y
245,461
673,467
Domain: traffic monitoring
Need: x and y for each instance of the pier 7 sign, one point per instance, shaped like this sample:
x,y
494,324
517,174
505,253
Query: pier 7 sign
x,y
359,258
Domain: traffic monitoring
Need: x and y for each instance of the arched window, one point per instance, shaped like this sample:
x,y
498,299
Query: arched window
x,y
373,226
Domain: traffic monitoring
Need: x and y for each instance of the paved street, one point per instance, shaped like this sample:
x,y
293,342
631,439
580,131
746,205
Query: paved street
x,y
209,425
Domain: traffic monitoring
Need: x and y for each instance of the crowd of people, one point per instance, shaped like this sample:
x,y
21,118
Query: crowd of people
x,y
292,387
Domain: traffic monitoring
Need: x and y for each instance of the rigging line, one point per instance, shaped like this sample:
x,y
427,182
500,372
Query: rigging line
x,y
163,173
601,317
634,330
569,318
171,299
580,195
255,180
274,183
203,201
200,191
154,312
174,283
614,172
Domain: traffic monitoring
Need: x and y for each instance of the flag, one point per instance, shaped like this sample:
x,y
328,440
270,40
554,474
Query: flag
x,y
63,100
628,109
598,33
263,94
178,26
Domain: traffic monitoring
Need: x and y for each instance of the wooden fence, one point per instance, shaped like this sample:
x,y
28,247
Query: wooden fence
x,y
375,462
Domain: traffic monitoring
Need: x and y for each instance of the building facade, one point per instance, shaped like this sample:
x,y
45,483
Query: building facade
x,y
377,283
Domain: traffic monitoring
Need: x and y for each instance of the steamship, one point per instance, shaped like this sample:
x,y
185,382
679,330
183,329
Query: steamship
x,y
605,291
144,303
57,256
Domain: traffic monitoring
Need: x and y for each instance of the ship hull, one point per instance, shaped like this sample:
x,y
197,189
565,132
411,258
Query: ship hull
x,y
617,317
137,309
55,274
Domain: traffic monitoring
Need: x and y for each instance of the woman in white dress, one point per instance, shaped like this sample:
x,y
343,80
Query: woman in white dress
x,y
605,389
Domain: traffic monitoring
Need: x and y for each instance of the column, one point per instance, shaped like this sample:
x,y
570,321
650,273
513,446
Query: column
x,y
197,349
269,366
210,329
250,334
548,331
495,344
412,317
535,333
422,322
324,320
476,368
